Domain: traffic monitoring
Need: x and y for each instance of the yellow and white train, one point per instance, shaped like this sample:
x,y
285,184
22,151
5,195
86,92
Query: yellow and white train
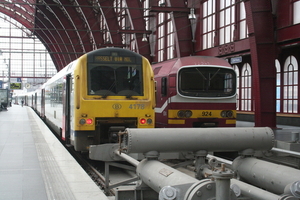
x,y
96,96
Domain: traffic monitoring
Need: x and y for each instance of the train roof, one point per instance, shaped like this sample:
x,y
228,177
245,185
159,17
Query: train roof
x,y
172,66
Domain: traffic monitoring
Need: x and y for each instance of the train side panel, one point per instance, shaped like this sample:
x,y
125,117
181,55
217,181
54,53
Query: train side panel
x,y
54,105
52,102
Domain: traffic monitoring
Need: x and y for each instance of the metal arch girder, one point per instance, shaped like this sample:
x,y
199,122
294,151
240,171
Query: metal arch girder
x,y
81,25
40,32
65,32
50,30
137,19
21,3
108,13
92,23
16,24
12,10
27,7
70,30
28,22
49,40
169,9
44,37
55,29
78,23
183,34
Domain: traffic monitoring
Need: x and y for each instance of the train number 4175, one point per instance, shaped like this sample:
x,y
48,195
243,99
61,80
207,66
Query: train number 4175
x,y
137,106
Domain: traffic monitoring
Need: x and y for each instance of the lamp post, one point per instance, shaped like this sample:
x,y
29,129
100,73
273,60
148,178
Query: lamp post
x,y
8,80
7,62
8,67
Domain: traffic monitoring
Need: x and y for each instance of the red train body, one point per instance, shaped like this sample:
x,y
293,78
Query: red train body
x,y
195,91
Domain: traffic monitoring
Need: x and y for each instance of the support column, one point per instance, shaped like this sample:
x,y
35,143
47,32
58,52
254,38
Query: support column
x,y
262,47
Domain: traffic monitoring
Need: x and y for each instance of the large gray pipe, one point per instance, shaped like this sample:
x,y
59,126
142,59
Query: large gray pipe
x,y
194,139
273,177
257,193
158,175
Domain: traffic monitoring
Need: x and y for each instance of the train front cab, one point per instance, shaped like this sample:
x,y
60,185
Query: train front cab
x,y
102,98
214,89
195,95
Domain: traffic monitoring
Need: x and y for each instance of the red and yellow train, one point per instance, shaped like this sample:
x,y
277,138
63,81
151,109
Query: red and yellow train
x,y
195,91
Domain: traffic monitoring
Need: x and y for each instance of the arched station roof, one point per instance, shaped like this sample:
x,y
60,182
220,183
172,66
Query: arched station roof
x,y
70,28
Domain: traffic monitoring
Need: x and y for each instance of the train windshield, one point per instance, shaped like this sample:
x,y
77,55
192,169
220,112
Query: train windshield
x,y
207,82
115,80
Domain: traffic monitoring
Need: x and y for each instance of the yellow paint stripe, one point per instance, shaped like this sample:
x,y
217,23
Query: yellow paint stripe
x,y
176,121
230,121
200,113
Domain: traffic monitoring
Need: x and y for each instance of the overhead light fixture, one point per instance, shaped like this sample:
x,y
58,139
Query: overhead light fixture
x,y
163,4
192,14
144,39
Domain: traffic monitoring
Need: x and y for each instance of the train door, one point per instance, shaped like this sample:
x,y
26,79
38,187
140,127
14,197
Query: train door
x,y
43,103
35,101
161,117
66,110
25,100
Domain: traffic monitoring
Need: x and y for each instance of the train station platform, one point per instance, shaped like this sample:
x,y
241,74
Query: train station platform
x,y
35,165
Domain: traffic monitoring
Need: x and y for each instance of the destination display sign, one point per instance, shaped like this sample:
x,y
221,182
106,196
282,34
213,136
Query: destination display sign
x,y
16,86
115,59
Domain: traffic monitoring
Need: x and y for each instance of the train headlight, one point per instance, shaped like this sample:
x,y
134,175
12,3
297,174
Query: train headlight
x,y
82,121
86,121
188,113
223,113
184,113
180,114
227,113
149,121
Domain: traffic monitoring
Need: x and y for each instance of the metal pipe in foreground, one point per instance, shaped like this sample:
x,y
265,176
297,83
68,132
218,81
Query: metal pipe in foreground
x,y
158,175
126,157
275,178
194,139
252,191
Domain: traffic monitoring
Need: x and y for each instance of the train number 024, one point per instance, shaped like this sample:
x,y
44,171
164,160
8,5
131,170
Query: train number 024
x,y
206,113
137,106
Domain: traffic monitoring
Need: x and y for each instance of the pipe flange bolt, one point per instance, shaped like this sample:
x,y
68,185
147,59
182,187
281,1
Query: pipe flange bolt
x,y
167,193
295,189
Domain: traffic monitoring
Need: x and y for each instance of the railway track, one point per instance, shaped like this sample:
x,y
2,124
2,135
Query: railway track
x,y
107,175
92,168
